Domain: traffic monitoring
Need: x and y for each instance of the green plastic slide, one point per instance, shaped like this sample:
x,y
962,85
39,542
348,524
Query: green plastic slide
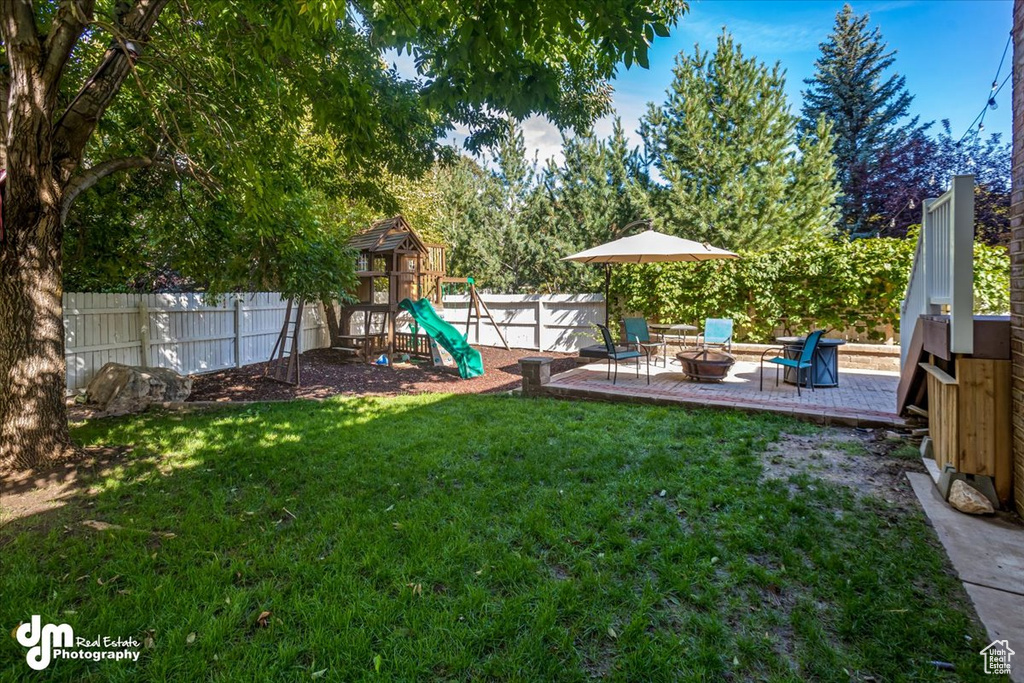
x,y
466,357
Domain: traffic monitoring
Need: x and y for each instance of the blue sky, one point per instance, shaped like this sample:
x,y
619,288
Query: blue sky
x,y
948,50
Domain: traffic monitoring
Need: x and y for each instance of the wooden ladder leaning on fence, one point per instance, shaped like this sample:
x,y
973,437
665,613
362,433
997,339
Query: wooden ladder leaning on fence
x,y
283,365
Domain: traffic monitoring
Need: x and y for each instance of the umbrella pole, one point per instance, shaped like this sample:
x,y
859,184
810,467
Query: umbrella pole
x,y
607,293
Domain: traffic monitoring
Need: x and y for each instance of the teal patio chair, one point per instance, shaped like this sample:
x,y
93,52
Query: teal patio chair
x,y
717,332
639,336
803,362
615,354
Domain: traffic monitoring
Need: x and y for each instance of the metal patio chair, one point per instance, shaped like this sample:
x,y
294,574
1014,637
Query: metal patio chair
x,y
805,361
617,354
717,332
639,336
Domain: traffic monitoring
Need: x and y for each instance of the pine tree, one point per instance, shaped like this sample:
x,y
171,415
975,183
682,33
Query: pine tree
x,y
868,110
600,188
486,217
725,145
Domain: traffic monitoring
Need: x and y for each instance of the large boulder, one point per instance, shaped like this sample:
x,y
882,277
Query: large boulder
x,y
118,388
966,498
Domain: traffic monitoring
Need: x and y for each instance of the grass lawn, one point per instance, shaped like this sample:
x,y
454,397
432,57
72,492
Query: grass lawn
x,y
479,537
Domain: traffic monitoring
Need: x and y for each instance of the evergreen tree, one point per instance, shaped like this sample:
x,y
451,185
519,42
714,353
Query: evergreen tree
x,y
725,145
510,226
485,220
601,186
868,110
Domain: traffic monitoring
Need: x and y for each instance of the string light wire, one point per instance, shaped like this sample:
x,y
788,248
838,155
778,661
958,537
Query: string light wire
x,y
978,124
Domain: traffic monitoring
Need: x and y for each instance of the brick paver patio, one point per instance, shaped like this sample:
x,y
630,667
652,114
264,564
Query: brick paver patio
x,y
864,398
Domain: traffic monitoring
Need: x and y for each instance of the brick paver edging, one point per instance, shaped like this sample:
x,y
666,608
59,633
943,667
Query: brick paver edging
x,y
816,415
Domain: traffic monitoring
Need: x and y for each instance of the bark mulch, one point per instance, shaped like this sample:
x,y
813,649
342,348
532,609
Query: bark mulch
x,y
331,373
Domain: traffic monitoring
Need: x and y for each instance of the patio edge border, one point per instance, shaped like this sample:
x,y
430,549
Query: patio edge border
x,y
816,416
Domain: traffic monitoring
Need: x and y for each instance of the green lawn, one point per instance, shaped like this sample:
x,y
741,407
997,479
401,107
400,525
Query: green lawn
x,y
473,537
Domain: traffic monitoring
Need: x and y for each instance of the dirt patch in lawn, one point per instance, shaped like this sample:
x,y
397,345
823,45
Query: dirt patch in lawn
x,y
27,492
332,373
863,460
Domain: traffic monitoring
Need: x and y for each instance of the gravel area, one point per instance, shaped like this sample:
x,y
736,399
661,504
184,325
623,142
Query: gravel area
x,y
330,373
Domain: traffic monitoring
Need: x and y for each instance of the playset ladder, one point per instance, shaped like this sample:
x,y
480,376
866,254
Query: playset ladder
x,y
283,365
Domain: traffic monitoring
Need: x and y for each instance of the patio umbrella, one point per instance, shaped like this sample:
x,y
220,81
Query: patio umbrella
x,y
646,247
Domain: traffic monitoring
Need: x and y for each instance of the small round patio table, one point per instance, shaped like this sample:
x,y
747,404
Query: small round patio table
x,y
673,331
825,364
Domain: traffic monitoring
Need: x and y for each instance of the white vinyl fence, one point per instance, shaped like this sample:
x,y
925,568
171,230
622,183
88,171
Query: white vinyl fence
x,y
188,334
543,322
183,332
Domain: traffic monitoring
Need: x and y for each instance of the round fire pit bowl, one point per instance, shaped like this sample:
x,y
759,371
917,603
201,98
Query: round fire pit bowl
x,y
705,366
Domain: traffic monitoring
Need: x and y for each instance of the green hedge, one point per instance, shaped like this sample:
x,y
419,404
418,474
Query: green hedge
x,y
823,283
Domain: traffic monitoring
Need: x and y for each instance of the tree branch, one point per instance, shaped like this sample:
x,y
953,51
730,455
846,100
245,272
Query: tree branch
x,y
90,176
78,122
19,30
69,21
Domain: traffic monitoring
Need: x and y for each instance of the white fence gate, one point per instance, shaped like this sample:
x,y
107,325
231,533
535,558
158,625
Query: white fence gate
x,y
183,332
188,334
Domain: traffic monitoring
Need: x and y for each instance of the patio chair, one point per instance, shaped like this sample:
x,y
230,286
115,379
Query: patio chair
x,y
617,354
805,361
639,336
717,332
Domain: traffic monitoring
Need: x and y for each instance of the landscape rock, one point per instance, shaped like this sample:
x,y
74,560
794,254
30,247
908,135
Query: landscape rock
x,y
966,498
119,389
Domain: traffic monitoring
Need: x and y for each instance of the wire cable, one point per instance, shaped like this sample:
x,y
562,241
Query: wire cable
x,y
979,121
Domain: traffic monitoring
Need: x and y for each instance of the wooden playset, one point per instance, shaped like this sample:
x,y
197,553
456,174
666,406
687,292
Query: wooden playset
x,y
394,263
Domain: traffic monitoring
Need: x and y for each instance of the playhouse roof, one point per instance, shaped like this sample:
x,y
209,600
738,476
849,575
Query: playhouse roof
x,y
388,235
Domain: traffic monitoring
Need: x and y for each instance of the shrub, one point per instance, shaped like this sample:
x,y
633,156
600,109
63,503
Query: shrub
x,y
822,283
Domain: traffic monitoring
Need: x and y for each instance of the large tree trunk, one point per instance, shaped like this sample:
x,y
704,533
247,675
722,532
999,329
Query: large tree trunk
x,y
33,419
42,153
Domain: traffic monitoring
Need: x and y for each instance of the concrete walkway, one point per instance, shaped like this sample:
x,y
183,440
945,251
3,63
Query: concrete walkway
x,y
864,398
988,556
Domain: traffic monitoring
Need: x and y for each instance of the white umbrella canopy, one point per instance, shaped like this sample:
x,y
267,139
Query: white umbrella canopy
x,y
646,247
650,247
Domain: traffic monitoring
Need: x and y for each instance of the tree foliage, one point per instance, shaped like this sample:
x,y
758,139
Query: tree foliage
x,y
725,145
988,159
219,93
868,109
268,122
509,227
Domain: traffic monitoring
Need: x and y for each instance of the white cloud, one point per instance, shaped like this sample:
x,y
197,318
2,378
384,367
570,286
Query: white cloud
x,y
543,139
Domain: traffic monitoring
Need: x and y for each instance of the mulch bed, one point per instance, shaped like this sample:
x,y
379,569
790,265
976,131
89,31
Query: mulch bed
x,y
332,373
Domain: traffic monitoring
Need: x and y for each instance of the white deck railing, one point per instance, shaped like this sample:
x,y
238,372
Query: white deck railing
x,y
942,277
